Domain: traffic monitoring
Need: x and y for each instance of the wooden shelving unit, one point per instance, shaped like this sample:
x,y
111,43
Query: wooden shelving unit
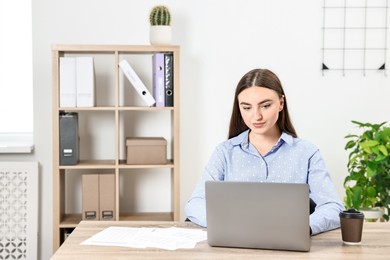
x,y
116,109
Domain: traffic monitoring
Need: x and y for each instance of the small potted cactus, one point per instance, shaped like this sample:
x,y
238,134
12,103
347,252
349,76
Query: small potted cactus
x,y
160,25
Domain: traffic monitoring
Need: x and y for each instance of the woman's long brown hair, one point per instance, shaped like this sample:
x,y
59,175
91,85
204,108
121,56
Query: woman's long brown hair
x,y
266,79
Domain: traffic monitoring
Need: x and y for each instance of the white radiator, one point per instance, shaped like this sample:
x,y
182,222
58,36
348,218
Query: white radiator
x,y
18,210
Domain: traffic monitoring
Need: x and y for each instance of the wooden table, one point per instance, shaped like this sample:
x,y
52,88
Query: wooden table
x,y
375,245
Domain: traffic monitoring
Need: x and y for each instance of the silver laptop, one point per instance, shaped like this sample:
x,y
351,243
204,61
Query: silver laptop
x,y
258,215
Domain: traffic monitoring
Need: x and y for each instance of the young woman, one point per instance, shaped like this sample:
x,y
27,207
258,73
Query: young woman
x,y
263,147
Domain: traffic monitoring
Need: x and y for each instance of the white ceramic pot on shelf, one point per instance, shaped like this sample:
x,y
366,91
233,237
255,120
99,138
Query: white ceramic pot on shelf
x,y
160,35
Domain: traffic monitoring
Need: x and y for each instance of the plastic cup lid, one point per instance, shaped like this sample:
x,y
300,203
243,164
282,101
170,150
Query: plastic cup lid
x,y
351,213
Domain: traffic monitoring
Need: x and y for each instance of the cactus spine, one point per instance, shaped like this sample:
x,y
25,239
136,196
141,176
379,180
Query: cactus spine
x,y
160,16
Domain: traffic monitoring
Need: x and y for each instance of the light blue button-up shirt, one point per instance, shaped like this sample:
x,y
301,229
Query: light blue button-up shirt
x,y
291,160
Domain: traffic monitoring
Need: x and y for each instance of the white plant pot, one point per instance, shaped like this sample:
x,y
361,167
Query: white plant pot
x,y
160,35
372,214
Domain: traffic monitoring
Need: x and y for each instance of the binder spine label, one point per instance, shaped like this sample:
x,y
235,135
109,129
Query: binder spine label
x,y
168,79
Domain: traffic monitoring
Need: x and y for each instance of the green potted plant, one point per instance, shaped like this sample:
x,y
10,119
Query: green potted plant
x,y
160,25
367,185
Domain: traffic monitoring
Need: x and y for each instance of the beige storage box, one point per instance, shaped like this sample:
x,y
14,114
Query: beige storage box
x,y
146,150
90,196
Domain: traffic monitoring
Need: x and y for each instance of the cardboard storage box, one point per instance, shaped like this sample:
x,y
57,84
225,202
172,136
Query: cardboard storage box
x,y
90,184
146,150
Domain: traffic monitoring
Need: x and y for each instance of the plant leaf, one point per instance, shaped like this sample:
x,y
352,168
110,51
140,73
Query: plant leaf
x,y
350,145
358,123
383,149
347,199
371,169
367,150
371,192
380,157
369,143
356,197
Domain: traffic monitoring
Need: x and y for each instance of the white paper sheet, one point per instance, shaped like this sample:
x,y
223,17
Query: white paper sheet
x,y
165,238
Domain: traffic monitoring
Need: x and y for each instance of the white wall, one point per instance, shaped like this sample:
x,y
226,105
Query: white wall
x,y
220,41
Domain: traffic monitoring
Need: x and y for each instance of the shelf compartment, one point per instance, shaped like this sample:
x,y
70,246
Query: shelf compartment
x,y
104,73
154,195
70,220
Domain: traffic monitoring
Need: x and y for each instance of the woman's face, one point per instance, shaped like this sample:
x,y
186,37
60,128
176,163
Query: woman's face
x,y
260,108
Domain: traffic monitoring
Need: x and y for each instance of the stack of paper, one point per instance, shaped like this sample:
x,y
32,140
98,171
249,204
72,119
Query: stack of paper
x,y
165,238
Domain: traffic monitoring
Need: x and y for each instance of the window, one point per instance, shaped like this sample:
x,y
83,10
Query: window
x,y
16,83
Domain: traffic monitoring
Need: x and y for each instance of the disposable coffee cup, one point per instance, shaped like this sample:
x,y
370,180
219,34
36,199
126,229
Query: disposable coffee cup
x,y
351,222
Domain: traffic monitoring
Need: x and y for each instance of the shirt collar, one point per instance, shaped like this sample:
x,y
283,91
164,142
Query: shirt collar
x,y
288,139
243,139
